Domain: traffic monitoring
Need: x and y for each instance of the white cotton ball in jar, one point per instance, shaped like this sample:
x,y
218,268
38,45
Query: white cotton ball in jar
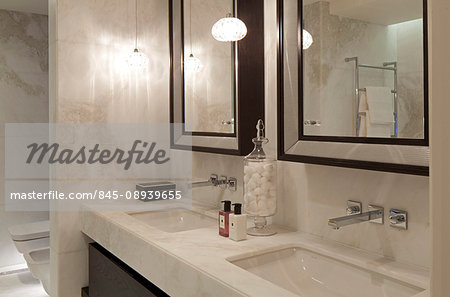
x,y
257,191
267,174
256,177
250,186
262,197
265,187
249,170
250,197
259,169
264,212
252,207
264,180
262,204
246,178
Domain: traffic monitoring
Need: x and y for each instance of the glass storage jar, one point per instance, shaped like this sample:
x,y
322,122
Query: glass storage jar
x,y
260,185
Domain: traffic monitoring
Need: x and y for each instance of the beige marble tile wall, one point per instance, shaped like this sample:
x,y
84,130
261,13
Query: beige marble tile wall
x,y
89,43
24,99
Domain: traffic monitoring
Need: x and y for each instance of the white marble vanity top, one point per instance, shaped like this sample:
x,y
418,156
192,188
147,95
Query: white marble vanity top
x,y
196,262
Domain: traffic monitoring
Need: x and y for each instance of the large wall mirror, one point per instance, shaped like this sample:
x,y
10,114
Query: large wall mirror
x,y
217,88
353,83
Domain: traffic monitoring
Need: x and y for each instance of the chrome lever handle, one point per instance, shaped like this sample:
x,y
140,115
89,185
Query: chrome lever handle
x,y
352,210
397,219
353,207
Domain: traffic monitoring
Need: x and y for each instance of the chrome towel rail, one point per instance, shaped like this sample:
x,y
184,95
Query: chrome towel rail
x,y
389,66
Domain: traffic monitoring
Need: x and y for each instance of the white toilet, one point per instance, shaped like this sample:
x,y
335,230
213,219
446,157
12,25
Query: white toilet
x,y
30,236
33,241
39,263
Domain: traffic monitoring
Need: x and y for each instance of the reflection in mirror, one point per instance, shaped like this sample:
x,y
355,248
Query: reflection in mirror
x,y
209,69
363,68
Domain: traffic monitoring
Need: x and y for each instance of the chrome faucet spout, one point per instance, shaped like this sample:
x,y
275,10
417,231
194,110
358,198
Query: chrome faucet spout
x,y
375,215
212,181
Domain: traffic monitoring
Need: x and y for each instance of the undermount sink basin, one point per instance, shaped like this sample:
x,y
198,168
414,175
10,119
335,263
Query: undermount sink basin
x,y
174,220
309,274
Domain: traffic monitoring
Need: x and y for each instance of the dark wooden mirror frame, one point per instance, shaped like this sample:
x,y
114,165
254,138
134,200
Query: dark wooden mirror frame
x,y
348,163
249,100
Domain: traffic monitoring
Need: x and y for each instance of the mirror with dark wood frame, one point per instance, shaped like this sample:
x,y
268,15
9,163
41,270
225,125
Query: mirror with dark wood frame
x,y
353,84
216,88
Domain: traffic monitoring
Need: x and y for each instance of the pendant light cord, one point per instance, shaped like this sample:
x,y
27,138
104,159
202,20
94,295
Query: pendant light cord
x,y
190,24
136,28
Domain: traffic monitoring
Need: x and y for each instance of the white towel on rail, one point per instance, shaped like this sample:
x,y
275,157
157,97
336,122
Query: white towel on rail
x,y
380,101
367,127
364,112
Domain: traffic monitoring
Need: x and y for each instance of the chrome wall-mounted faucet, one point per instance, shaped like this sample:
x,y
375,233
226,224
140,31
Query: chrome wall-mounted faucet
x,y
216,181
375,214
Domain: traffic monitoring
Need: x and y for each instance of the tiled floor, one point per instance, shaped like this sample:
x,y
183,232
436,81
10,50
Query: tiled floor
x,y
20,285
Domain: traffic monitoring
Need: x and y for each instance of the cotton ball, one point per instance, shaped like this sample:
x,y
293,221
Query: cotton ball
x,y
265,187
259,169
267,173
249,170
262,197
250,197
257,191
264,212
256,177
262,204
264,180
252,182
246,178
252,207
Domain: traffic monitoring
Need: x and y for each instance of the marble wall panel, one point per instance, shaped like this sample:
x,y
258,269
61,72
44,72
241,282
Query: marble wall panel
x,y
23,99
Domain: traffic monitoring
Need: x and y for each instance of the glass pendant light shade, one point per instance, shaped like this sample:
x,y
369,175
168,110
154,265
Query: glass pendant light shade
x,y
229,29
307,39
138,60
192,64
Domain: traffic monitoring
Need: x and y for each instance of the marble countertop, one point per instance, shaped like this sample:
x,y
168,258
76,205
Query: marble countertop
x,y
194,263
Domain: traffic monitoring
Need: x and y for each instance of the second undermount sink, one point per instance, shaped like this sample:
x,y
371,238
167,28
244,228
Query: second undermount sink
x,y
310,274
175,220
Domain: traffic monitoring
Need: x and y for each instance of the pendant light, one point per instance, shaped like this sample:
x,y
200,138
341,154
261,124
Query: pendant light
x,y
307,39
137,59
191,64
229,29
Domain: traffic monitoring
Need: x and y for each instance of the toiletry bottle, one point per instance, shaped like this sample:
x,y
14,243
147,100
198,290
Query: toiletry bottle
x,y
238,223
224,218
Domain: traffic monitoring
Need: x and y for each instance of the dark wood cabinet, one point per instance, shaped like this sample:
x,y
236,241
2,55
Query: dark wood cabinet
x,y
111,277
